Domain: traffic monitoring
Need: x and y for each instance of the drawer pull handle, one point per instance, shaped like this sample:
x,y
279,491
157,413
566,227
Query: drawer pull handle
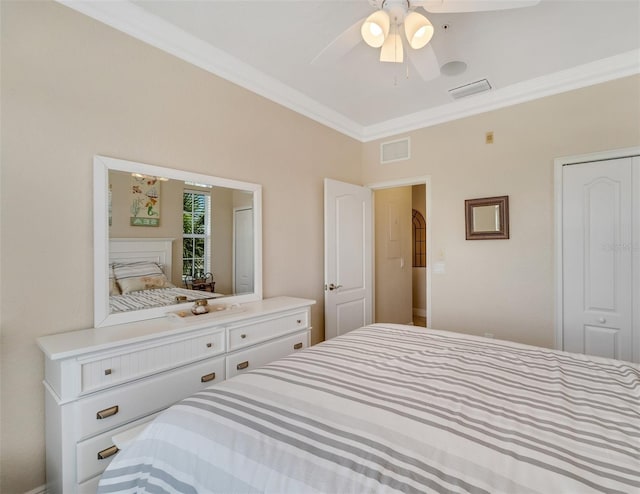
x,y
297,346
243,365
107,372
107,412
209,345
243,336
208,377
299,321
106,453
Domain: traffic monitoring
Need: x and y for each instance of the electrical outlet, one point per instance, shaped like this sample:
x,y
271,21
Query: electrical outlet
x,y
488,137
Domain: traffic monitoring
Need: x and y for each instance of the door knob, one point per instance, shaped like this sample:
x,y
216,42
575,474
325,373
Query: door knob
x,y
334,287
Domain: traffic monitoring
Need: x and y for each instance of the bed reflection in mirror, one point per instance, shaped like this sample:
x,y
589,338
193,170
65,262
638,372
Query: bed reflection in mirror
x,y
172,237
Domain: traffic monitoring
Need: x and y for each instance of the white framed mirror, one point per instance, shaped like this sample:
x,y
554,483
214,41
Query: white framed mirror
x,y
202,233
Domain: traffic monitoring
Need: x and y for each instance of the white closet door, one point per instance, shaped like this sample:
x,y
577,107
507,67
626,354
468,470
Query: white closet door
x,y
597,258
243,251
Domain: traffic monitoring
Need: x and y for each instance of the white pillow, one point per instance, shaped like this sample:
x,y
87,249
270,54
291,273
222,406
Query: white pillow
x,y
139,275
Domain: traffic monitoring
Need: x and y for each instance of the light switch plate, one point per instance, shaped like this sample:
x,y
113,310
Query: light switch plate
x,y
438,268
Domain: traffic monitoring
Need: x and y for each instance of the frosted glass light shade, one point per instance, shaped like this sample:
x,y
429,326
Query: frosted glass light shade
x,y
392,50
375,29
418,29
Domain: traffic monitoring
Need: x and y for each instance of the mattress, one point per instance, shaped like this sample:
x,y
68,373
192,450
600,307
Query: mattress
x,y
158,297
392,408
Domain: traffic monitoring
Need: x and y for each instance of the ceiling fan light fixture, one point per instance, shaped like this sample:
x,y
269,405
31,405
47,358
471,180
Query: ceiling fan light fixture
x,y
392,50
375,29
418,30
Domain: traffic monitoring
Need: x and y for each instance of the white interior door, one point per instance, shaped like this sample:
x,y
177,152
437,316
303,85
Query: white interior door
x,y
243,267
598,257
347,257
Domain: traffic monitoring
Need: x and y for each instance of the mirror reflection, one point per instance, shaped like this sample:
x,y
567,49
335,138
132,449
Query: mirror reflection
x,y
211,227
486,218
166,237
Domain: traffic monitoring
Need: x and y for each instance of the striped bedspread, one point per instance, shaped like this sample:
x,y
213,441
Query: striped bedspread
x,y
392,408
158,297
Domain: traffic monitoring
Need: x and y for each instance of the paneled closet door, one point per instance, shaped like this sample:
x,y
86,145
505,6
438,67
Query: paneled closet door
x,y
598,251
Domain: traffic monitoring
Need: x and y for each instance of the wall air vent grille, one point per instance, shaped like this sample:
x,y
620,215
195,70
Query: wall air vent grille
x,y
468,89
397,150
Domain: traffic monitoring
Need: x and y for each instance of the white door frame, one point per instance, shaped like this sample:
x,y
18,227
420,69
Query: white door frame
x,y
402,182
558,163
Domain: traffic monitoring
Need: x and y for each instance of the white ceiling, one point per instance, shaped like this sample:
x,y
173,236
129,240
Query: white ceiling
x,y
268,46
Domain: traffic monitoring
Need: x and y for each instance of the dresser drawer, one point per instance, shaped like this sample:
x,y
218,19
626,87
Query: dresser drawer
x,y
253,358
245,335
89,487
128,402
89,464
126,366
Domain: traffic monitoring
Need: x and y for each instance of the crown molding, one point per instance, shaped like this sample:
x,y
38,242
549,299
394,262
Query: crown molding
x,y
135,21
603,70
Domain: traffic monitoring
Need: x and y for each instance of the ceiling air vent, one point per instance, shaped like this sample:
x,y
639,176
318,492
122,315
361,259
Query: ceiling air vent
x,y
468,89
391,151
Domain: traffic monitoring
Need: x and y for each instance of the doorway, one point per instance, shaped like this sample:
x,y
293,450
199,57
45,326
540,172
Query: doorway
x,y
402,286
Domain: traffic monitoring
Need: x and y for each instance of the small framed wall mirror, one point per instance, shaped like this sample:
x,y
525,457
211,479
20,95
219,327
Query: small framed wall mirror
x,y
487,218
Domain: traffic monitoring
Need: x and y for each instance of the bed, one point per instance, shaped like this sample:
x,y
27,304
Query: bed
x,y
140,276
393,408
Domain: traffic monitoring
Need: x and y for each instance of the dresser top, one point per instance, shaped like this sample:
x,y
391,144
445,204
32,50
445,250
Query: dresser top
x,y
74,343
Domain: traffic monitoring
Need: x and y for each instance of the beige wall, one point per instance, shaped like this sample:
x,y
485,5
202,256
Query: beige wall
x,y
392,215
72,88
506,286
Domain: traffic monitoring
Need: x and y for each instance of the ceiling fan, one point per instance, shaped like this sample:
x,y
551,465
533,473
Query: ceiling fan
x,y
382,29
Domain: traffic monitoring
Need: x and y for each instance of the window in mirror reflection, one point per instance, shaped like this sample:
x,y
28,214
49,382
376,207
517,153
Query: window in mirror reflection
x,y
196,233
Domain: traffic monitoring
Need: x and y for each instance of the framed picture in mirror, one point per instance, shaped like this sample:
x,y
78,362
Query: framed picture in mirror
x,y
487,218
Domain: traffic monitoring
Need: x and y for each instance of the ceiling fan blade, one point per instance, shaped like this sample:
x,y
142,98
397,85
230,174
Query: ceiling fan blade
x,y
459,6
425,62
340,46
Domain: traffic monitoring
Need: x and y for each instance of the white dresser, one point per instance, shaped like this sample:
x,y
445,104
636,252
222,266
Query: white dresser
x,y
102,382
